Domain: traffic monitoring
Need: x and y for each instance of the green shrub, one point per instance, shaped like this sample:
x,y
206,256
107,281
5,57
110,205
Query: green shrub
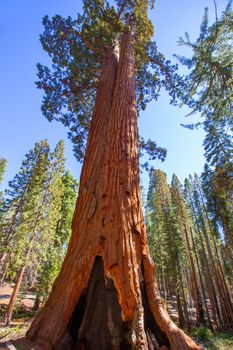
x,y
202,333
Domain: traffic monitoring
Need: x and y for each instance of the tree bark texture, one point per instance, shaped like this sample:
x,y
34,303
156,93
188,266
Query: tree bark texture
x,y
106,295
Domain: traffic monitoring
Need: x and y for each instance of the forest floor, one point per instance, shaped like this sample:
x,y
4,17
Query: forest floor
x,y
23,317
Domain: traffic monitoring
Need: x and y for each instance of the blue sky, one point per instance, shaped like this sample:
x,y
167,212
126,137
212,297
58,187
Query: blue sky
x,y
21,121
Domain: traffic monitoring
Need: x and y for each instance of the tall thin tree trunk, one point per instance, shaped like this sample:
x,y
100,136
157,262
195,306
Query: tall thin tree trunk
x,y
10,306
201,279
180,310
225,299
163,282
187,320
197,296
209,276
36,305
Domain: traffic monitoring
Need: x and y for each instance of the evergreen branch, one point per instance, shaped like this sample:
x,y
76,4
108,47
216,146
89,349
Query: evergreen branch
x,y
161,66
76,88
83,87
87,42
90,46
216,11
121,10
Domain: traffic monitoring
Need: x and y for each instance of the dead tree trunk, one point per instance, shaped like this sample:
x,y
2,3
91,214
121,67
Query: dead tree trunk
x,y
106,295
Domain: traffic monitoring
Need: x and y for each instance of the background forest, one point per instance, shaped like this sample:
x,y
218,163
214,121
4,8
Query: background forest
x,y
189,225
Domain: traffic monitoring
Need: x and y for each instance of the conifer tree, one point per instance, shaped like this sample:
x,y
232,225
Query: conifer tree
x,y
165,226
182,218
215,282
208,89
182,232
107,266
3,163
29,192
43,207
217,176
17,198
56,250
217,187
155,227
208,86
52,201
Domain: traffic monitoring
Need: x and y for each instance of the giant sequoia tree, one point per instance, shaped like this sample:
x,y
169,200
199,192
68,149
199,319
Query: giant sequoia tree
x,y
106,295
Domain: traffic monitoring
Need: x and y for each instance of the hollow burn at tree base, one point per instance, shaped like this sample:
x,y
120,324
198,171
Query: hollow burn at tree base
x,y
96,322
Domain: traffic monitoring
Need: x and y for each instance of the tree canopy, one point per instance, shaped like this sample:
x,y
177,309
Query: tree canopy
x,y
208,86
78,47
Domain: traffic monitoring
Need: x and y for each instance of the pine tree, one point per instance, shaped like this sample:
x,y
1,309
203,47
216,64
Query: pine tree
x,y
3,163
107,46
46,199
155,228
217,176
182,236
30,192
18,197
208,86
216,285
208,89
52,202
217,187
165,231
182,217
58,245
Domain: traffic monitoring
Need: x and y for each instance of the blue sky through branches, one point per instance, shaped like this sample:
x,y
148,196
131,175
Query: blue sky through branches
x,y
22,123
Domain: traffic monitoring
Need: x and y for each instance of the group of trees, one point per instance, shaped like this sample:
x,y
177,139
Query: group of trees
x,y
188,248
208,89
191,228
35,222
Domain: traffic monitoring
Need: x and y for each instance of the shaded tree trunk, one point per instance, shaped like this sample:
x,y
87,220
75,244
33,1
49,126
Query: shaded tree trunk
x,y
36,305
10,306
201,280
180,310
225,298
196,292
186,313
207,269
108,275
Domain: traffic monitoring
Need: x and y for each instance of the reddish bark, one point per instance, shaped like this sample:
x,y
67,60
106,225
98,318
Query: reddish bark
x,y
108,223
10,306
196,292
201,279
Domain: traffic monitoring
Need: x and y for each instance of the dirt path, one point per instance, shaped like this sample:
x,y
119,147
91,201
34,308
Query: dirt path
x,y
27,300
20,323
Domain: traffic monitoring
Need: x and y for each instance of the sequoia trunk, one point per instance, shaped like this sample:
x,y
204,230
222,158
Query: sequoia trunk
x,y
106,295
